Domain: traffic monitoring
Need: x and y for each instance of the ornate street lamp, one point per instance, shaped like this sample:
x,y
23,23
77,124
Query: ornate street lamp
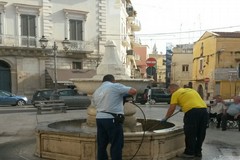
x,y
66,44
43,41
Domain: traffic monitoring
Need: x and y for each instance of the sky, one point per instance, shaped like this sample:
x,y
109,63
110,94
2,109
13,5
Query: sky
x,y
184,21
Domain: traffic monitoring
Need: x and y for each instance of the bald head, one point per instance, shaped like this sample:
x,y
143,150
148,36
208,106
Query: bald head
x,y
173,87
236,99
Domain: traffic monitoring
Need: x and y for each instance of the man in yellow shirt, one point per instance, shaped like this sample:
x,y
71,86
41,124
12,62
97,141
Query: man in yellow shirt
x,y
195,118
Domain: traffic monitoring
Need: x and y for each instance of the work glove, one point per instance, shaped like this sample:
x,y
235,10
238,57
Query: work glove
x,y
164,120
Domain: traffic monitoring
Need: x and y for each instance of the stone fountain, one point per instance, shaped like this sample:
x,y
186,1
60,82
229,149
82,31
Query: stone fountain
x,y
110,64
76,139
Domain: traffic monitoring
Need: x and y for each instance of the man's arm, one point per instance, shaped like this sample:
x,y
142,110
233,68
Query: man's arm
x,y
132,91
170,111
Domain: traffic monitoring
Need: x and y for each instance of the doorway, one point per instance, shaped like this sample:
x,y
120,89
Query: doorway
x,y
5,76
200,91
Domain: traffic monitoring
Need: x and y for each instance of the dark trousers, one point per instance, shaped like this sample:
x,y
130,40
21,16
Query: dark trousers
x,y
217,116
111,132
195,124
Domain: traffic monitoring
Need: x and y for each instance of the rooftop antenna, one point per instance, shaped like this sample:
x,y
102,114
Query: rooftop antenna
x,y
180,34
155,49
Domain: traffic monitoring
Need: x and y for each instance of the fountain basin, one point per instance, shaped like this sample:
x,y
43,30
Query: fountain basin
x,y
74,140
90,85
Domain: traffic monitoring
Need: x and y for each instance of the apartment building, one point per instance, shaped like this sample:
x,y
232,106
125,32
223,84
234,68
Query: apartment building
x,y
216,64
181,67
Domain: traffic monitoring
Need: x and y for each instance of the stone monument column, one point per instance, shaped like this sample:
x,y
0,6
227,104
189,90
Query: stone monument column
x,y
111,64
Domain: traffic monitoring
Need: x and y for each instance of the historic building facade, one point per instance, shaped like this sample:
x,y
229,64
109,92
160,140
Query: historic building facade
x,y
25,66
216,61
181,70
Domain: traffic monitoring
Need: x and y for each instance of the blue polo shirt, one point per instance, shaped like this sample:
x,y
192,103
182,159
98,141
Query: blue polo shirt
x,y
233,109
109,97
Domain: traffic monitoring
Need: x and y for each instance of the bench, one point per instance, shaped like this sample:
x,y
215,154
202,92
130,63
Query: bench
x,y
50,105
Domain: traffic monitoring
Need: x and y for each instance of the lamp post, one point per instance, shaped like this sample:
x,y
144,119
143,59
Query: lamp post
x,y
55,47
43,41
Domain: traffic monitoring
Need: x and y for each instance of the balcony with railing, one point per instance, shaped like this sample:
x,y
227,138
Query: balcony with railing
x,y
130,11
135,23
135,41
132,55
33,42
87,46
126,41
18,41
28,41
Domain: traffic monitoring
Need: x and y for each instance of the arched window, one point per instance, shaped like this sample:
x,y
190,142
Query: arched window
x,y
4,65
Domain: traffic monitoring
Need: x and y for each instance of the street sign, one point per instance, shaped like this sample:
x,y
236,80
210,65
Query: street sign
x,y
151,62
151,71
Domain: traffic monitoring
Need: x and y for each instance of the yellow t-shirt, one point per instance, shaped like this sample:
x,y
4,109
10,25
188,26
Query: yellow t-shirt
x,y
187,99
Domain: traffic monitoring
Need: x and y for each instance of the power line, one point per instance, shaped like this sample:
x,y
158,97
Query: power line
x,y
172,33
174,38
167,35
191,31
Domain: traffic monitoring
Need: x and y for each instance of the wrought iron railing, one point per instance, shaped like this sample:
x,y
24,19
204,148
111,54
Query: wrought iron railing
x,y
28,41
33,42
82,45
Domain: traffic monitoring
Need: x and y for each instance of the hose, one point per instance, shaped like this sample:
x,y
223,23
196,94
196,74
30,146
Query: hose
x,y
143,135
166,119
130,100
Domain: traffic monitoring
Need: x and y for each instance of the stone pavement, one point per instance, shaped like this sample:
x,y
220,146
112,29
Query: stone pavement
x,y
17,137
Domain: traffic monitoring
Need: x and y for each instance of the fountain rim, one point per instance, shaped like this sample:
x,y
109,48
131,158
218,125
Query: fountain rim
x,y
44,127
117,79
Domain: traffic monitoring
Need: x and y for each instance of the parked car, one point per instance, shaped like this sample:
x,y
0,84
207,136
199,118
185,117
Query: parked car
x,y
157,95
72,97
7,98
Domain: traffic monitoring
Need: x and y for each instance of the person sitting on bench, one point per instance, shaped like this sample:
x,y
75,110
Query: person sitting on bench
x,y
216,109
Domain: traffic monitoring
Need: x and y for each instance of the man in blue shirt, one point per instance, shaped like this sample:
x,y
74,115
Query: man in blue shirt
x,y
108,99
